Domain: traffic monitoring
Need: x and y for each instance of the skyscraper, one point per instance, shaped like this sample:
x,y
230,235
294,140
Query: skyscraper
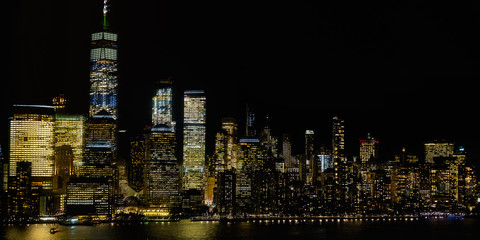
x,y
287,151
136,167
438,149
194,130
103,69
338,141
250,128
368,148
162,105
162,170
310,167
20,192
32,139
69,132
92,191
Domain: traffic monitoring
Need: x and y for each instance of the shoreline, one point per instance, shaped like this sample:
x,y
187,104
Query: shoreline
x,y
260,219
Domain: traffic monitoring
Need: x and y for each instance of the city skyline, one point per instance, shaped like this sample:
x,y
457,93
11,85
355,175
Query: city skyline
x,y
289,135
375,61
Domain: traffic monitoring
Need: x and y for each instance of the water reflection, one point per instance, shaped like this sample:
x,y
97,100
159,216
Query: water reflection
x,y
278,230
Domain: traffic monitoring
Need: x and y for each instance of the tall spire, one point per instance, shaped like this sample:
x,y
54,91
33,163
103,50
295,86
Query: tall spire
x,y
105,11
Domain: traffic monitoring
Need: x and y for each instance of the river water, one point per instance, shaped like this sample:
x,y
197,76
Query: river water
x,y
455,229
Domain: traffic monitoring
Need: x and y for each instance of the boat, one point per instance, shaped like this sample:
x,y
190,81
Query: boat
x,y
54,230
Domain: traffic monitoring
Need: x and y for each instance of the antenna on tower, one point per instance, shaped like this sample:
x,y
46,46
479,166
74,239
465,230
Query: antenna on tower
x,y
105,11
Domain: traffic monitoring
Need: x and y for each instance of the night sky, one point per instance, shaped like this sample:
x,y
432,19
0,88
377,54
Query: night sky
x,y
406,71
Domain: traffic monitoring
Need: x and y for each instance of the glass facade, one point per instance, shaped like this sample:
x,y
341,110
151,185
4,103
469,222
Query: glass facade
x,y
368,148
338,140
69,132
438,149
325,162
162,173
89,196
103,73
20,192
136,169
162,107
32,140
194,130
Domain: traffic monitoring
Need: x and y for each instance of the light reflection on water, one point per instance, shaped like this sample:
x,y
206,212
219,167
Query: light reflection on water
x,y
185,229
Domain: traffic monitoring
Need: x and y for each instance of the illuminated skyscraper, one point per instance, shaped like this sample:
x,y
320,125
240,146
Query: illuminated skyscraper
x,y
287,151
194,130
32,139
69,132
20,192
438,149
4,172
229,127
310,166
162,105
162,173
223,165
249,165
103,69
250,128
324,161
89,196
338,141
368,148
136,167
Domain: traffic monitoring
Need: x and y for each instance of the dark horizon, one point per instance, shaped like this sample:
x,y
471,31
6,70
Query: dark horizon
x,y
404,72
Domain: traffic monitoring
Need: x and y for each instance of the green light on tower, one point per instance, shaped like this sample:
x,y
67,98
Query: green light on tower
x,y
105,11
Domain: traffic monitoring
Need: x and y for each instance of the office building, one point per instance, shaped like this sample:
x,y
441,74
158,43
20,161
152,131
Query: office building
x,y
194,131
368,148
20,192
32,139
162,104
136,165
104,69
162,173
89,196
438,149
69,133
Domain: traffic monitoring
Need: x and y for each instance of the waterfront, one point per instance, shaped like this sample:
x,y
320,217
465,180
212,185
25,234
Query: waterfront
x,y
468,228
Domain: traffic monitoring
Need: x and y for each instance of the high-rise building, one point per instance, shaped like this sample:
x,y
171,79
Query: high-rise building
x,y
69,133
249,164
250,128
20,192
194,131
162,104
89,196
324,160
310,167
438,149
162,184
287,151
32,139
338,141
4,172
368,148
101,127
136,166
229,126
103,69
343,169
92,191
